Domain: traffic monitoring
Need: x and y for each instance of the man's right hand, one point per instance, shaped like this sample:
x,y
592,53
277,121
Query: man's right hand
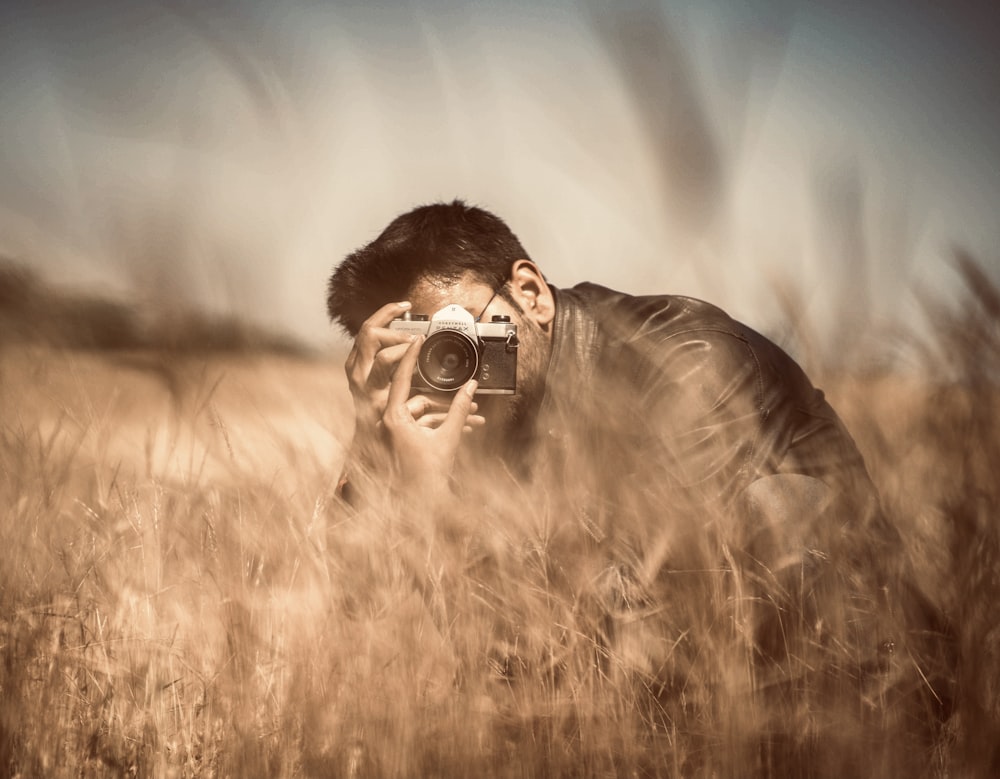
x,y
371,364
371,368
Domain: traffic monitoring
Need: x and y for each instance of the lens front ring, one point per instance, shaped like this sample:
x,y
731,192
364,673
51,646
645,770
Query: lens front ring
x,y
448,359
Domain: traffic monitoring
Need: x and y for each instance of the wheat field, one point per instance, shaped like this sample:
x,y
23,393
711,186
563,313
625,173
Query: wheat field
x,y
181,594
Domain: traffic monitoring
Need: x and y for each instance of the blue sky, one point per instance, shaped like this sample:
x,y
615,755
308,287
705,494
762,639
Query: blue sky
x,y
229,155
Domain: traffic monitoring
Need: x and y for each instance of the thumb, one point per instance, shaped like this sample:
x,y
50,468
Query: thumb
x,y
458,412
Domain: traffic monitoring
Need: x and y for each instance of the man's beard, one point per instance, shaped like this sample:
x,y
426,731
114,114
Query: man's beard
x,y
511,419
533,362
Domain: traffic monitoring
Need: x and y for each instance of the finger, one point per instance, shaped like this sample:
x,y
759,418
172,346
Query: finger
x,y
434,421
375,335
461,407
377,325
384,365
472,423
367,346
369,342
419,405
383,316
399,388
431,421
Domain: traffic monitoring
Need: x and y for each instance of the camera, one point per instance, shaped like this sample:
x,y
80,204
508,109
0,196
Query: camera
x,y
458,348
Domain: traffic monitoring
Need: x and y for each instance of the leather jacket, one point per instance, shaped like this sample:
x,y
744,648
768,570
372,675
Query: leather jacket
x,y
665,418
688,443
674,386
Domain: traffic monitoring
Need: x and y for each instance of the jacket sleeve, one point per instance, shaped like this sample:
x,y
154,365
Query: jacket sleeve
x,y
707,407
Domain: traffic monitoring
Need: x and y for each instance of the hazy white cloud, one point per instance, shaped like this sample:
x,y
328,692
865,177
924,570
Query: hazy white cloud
x,y
230,156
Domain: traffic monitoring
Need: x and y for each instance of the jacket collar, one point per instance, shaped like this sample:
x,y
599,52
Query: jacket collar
x,y
575,347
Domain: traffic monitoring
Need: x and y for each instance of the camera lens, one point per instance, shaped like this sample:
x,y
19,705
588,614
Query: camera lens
x,y
448,359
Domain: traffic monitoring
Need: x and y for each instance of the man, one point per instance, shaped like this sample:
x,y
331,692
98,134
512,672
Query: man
x,y
671,438
724,414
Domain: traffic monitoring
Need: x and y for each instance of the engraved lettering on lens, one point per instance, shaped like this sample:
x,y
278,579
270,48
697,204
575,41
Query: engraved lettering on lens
x,y
448,359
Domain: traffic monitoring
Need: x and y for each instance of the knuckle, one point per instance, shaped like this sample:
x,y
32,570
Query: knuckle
x,y
356,381
394,420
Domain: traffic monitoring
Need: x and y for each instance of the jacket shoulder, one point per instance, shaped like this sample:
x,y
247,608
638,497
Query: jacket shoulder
x,y
635,320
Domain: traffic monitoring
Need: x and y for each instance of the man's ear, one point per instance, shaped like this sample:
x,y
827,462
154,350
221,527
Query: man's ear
x,y
532,293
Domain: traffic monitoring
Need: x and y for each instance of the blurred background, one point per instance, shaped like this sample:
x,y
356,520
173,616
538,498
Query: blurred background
x,y
808,161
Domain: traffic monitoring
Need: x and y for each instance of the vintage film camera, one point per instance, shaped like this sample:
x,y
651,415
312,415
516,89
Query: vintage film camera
x,y
459,348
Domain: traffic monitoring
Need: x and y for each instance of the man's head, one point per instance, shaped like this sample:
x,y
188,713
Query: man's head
x,y
451,253
440,243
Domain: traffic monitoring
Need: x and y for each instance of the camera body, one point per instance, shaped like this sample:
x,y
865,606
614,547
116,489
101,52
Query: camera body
x,y
458,348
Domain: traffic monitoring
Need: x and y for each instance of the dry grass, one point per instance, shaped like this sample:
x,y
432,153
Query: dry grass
x,y
180,594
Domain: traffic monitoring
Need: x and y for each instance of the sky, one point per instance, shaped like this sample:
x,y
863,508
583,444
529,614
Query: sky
x,y
228,155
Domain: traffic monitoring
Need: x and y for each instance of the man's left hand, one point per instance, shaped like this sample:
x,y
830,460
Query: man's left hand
x,y
424,446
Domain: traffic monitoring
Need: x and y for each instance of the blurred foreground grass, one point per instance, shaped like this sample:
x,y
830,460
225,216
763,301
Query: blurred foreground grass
x,y
181,595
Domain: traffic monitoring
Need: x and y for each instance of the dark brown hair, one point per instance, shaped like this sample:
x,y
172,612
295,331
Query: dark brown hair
x,y
443,240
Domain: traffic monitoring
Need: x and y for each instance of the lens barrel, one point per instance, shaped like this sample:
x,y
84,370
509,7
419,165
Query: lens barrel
x,y
448,359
